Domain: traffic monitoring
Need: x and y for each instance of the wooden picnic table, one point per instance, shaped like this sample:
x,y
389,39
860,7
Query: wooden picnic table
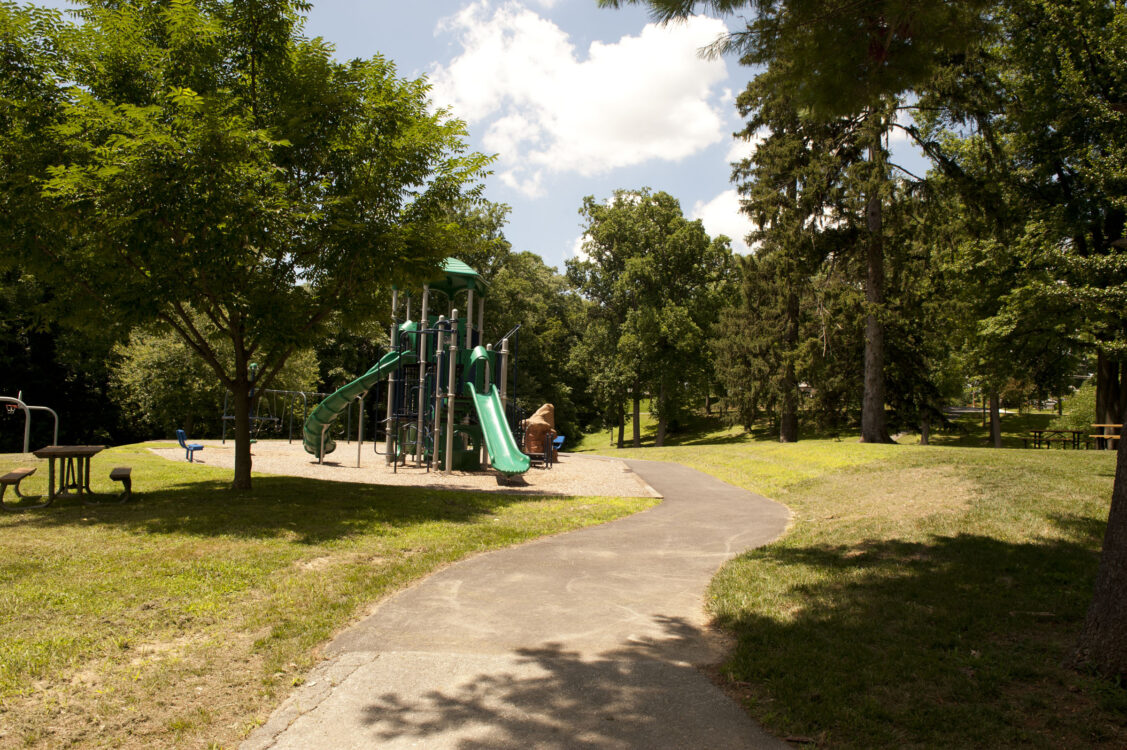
x,y
74,472
1046,438
1104,440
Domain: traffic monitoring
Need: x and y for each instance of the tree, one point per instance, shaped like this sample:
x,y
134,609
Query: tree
x,y
211,161
657,283
850,60
162,385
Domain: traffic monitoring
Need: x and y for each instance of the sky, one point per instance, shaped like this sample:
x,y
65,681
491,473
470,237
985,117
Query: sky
x,y
572,100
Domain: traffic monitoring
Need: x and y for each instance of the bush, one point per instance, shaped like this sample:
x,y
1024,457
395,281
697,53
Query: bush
x,y
1079,409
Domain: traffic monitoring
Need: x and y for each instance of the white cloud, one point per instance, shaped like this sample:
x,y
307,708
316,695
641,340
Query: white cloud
x,y
545,110
744,149
722,215
577,250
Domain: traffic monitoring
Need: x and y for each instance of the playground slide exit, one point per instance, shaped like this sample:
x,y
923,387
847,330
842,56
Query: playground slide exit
x,y
504,455
329,409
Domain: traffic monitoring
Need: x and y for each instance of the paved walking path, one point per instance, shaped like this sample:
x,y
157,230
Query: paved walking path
x,y
589,639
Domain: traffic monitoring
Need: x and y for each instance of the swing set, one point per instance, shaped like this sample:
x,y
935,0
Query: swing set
x,y
273,410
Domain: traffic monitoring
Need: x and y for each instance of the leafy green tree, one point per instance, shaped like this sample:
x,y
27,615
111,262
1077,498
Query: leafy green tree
x,y
852,60
163,385
526,292
212,159
657,281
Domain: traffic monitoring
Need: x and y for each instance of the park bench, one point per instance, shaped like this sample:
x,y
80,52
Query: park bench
x,y
189,448
13,479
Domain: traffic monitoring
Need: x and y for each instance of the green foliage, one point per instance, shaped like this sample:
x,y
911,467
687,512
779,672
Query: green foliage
x,y
162,385
1079,409
206,158
656,282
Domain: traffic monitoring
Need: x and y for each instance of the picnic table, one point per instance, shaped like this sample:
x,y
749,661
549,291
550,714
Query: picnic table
x,y
1065,438
1104,440
74,471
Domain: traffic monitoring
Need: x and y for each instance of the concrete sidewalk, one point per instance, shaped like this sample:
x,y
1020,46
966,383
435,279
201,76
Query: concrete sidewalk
x,y
589,639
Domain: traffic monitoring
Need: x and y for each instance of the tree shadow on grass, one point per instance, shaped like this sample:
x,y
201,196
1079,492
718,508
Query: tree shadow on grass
x,y
310,510
642,695
957,642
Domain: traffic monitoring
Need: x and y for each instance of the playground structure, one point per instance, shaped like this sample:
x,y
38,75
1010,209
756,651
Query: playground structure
x,y
11,404
446,392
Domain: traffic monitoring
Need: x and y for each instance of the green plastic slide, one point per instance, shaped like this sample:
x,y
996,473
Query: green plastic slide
x,y
504,454
332,407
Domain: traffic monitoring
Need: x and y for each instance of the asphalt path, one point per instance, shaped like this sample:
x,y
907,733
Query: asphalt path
x,y
591,639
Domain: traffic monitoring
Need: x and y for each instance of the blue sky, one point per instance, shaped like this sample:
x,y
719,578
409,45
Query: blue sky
x,y
574,100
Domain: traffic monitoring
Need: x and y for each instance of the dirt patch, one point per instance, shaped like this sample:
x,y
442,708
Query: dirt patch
x,y
574,475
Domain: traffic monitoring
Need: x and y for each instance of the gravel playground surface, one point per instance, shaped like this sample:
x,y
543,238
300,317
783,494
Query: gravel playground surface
x,y
572,475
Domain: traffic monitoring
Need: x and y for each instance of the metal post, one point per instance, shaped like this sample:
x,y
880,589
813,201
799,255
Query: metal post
x,y
483,453
481,317
450,396
436,429
422,341
360,437
26,419
469,319
55,441
393,343
504,377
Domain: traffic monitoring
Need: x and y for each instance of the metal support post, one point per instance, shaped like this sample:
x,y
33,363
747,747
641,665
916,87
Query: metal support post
x,y
393,344
436,430
422,341
360,429
469,318
450,397
481,317
504,375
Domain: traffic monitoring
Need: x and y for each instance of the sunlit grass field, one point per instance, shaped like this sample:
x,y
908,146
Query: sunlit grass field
x,y
182,617
923,596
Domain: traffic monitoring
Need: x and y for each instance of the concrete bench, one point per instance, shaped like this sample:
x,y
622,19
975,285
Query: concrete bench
x,y
12,479
122,474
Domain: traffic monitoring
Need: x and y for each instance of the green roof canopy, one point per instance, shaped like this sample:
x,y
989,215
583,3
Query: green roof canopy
x,y
456,277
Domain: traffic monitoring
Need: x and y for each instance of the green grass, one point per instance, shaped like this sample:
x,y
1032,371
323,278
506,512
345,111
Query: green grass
x,y
180,618
922,597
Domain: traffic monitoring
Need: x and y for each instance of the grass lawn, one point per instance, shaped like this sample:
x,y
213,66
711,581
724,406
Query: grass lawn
x,y
183,617
922,597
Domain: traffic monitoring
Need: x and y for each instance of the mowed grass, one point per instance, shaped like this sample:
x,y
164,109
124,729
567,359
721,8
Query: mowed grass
x,y
923,597
183,617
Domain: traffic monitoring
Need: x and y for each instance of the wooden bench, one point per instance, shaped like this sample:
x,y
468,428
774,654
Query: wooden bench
x,y
13,479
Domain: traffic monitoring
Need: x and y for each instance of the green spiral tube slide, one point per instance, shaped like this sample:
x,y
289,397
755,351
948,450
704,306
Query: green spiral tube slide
x,y
332,407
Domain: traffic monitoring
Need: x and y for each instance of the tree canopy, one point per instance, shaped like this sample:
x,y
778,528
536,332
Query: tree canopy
x,y
211,168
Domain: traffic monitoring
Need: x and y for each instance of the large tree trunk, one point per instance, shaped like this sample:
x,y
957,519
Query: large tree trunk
x,y
637,418
240,395
873,428
1109,387
788,418
662,421
925,429
1106,388
1103,640
995,421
